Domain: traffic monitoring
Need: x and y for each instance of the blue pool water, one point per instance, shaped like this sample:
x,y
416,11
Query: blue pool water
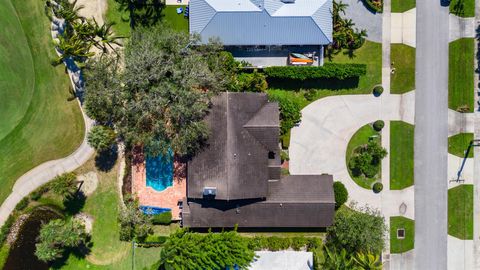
x,y
152,210
159,171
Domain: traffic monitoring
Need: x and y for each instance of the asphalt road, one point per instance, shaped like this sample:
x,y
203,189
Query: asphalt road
x,y
431,133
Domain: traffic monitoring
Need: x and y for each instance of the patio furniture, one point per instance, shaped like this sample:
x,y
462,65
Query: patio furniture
x,y
179,10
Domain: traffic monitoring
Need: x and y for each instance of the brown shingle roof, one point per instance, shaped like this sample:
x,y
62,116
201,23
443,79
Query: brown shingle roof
x,y
245,126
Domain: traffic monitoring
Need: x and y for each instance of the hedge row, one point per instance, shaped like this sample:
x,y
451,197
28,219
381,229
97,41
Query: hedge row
x,y
164,218
327,71
274,243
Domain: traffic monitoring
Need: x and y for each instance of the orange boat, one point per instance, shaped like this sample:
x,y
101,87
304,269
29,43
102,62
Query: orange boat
x,y
299,59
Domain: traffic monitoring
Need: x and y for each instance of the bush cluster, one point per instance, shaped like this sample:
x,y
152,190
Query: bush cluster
x,y
341,194
377,90
327,71
374,5
366,159
250,82
164,218
22,204
5,230
378,125
377,187
275,243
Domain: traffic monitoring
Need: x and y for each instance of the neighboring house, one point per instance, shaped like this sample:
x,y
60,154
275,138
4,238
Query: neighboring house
x,y
236,179
301,26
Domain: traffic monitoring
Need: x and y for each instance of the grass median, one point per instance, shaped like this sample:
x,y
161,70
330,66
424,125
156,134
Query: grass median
x,y
401,155
400,245
461,75
460,212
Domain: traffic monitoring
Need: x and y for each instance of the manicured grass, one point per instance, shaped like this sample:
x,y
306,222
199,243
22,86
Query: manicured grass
x,y
118,15
463,8
52,127
406,244
460,74
360,138
458,144
401,154
17,77
403,59
370,54
402,5
108,252
460,211
176,21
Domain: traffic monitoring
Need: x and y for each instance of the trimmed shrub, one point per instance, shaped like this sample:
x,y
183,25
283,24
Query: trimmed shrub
x,y
378,125
284,156
34,196
341,194
374,5
310,94
5,230
377,187
164,218
377,90
101,137
22,204
327,71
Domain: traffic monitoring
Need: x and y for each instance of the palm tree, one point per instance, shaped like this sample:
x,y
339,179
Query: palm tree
x,y
337,260
74,47
367,261
105,34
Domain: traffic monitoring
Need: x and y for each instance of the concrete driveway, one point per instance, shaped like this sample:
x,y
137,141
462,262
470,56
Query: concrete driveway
x,y
319,143
364,19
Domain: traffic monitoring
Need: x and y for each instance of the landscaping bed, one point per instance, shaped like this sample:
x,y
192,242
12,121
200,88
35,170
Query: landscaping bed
x,y
407,243
461,74
458,144
374,5
460,212
361,137
401,155
402,58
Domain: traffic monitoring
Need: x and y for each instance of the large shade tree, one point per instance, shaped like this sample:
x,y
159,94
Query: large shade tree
x,y
58,235
160,95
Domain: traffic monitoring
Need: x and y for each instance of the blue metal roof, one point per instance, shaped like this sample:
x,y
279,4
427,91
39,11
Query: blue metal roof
x,y
262,22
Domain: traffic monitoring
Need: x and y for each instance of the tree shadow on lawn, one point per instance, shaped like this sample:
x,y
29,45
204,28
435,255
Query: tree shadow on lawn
x,y
328,84
79,252
74,204
142,12
105,160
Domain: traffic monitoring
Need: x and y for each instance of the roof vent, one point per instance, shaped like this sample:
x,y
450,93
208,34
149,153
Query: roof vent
x,y
209,191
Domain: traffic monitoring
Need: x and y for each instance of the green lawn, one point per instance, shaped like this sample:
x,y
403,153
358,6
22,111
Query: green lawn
x,y
401,155
460,212
116,14
49,126
460,74
402,5
370,54
406,244
458,144
403,59
108,252
17,76
463,8
360,138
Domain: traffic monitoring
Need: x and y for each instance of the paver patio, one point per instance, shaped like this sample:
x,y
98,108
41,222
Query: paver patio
x,y
167,198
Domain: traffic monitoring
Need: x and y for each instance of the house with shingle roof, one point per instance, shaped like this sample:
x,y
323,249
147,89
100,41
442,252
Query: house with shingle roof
x,y
236,179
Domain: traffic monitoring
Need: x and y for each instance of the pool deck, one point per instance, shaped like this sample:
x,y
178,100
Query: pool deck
x,y
167,198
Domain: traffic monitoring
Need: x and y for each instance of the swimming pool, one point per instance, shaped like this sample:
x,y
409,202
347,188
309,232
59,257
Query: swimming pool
x,y
159,171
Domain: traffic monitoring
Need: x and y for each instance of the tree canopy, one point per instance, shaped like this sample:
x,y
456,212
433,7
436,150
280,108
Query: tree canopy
x,y
160,97
101,137
358,230
133,222
190,251
56,236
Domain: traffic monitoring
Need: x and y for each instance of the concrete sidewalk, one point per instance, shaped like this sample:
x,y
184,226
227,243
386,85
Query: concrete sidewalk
x,y
403,27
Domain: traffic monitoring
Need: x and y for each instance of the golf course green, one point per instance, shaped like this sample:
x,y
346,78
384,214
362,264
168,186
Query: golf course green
x,y
38,121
